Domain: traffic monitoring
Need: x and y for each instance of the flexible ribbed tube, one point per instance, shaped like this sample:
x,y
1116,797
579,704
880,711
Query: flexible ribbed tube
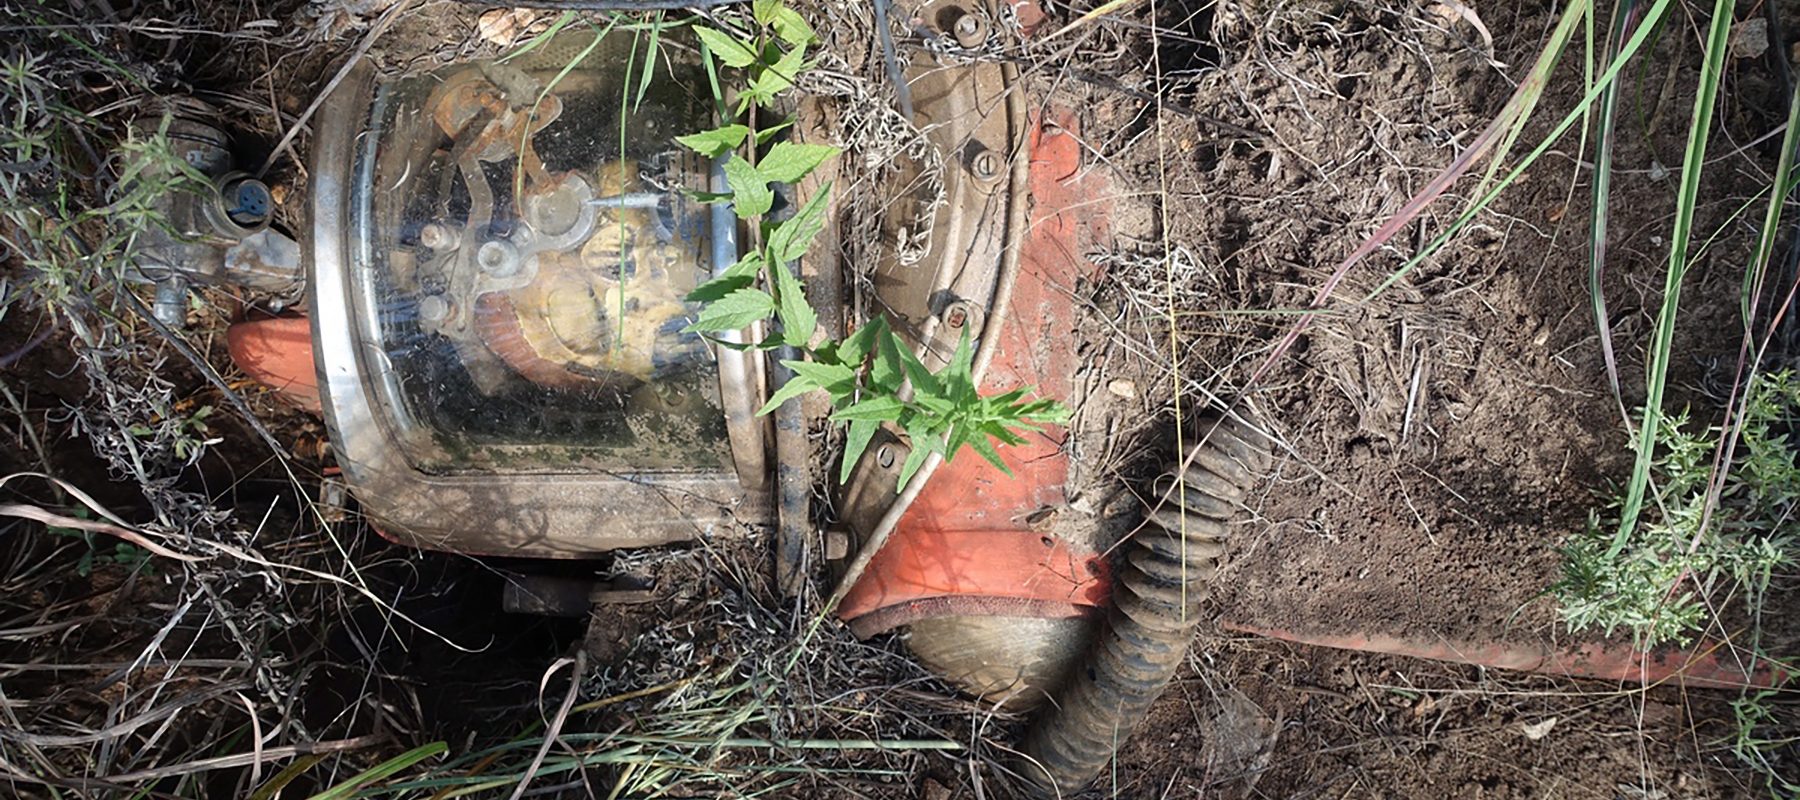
x,y
1156,604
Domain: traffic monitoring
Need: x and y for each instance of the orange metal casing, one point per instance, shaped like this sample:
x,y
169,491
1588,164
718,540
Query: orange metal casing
x,y
966,542
278,353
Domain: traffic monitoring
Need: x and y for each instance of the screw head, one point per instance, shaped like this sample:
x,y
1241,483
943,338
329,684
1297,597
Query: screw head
x,y
969,30
435,236
434,308
885,456
985,165
497,258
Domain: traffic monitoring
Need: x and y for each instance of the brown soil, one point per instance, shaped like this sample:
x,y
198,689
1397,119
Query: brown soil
x,y
1354,725
1438,442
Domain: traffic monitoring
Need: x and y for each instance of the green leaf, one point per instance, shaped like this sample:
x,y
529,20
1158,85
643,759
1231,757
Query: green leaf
x,y
765,11
923,444
880,408
796,386
856,442
957,377
938,406
924,383
791,239
707,197
887,372
987,451
750,195
763,136
734,311
716,142
854,349
382,771
788,162
792,28
777,77
834,378
656,27
739,275
733,51
798,320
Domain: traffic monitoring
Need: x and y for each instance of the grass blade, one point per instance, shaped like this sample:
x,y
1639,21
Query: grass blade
x,y
382,771
1603,156
1510,117
1718,40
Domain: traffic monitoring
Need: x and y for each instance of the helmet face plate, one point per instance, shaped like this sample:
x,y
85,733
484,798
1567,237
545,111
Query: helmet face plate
x,y
499,259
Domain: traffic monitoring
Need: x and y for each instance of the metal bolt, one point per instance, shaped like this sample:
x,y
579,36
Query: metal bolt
x,y
963,313
970,30
497,258
985,165
434,308
436,236
885,456
837,545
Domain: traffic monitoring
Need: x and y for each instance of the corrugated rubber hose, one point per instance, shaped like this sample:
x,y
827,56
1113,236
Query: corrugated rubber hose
x,y
1156,606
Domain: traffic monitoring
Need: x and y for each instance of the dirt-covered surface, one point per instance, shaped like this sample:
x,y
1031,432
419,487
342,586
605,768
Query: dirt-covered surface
x,y
1435,444
1329,723
1439,441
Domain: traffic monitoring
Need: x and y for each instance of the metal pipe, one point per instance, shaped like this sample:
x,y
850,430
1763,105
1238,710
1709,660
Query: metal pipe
x,y
793,484
739,394
1699,666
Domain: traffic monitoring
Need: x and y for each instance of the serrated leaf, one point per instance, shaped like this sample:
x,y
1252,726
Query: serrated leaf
x,y
788,162
730,49
775,78
765,10
716,142
793,28
923,444
957,378
834,378
750,195
987,451
798,320
924,383
763,136
796,386
939,406
854,349
880,408
856,442
959,436
734,311
887,372
791,238
739,275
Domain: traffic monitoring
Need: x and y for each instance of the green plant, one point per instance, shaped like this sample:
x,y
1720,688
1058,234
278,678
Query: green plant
x,y
1753,744
872,376
1735,548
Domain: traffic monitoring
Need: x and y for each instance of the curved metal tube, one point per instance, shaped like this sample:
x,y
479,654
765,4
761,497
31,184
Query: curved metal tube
x,y
1156,604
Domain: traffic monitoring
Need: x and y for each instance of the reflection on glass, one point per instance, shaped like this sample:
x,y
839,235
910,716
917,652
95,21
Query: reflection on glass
x,y
529,247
